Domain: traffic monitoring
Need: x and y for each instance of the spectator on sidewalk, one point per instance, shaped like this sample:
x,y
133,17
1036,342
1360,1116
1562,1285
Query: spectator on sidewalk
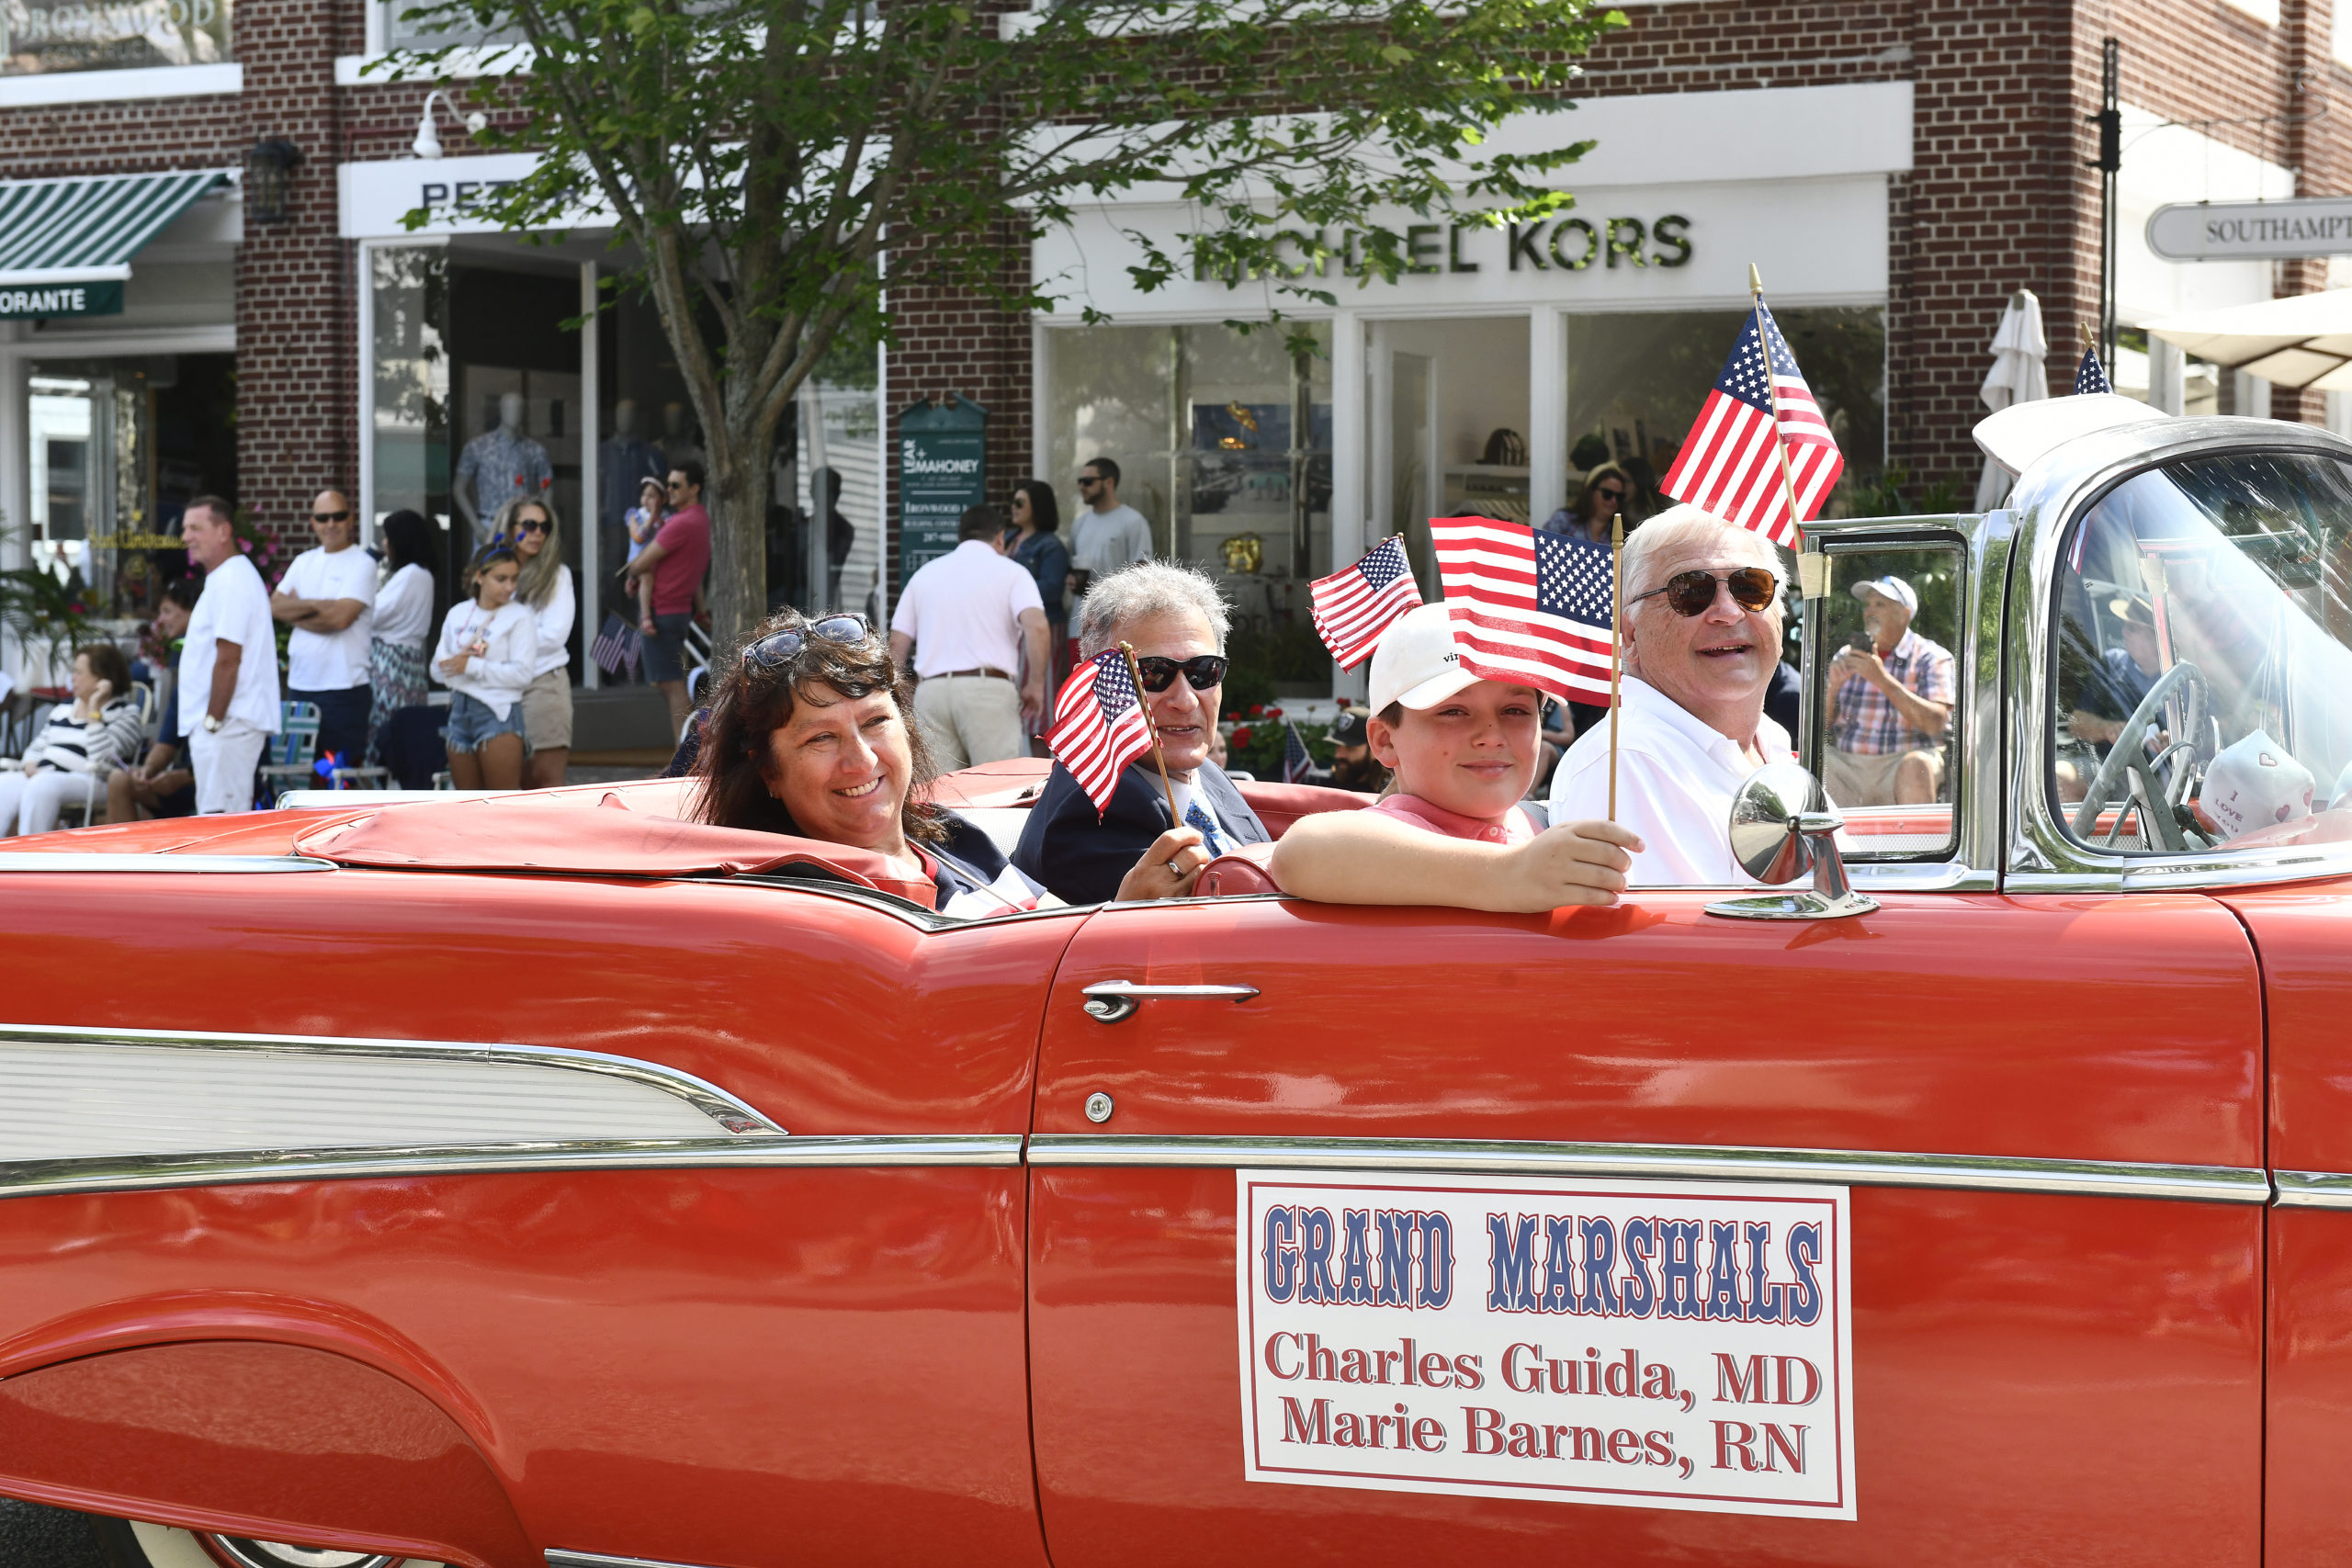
x,y
328,596
402,621
672,567
965,617
228,697
1037,546
1107,534
160,785
544,589
69,759
488,644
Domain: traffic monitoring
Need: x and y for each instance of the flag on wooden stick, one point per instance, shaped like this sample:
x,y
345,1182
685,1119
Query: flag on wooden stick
x,y
1759,414
1098,725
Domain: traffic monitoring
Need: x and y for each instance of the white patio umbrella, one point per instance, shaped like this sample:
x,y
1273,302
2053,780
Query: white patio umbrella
x,y
2018,375
2303,341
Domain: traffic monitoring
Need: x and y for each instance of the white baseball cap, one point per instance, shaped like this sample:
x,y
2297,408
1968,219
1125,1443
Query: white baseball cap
x,y
2254,783
1416,663
1893,588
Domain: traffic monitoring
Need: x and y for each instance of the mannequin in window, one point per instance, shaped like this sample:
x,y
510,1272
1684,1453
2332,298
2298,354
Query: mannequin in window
x,y
500,466
677,438
625,460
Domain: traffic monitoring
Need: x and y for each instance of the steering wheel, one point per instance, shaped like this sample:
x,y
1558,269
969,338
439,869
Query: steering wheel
x,y
2154,798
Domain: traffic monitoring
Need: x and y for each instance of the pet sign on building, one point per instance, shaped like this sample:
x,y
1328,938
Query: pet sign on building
x,y
1647,1344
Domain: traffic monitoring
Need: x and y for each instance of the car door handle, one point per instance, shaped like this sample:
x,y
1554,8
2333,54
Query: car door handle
x,y
1112,1000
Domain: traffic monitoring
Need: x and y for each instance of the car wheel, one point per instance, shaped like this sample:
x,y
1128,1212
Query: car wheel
x,y
133,1543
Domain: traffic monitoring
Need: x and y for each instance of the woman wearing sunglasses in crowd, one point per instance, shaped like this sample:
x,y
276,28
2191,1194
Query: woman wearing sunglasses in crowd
x,y
1603,496
529,528
812,733
1175,620
1702,640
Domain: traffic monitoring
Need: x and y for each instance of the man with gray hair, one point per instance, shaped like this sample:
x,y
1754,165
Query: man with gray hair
x,y
1702,640
1175,620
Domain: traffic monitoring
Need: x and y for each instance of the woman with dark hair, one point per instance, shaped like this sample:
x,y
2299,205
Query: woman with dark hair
x,y
1607,491
69,759
396,675
812,733
1038,546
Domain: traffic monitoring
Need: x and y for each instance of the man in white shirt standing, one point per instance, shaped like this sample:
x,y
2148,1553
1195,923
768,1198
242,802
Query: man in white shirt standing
x,y
1107,535
965,618
228,679
1702,640
328,596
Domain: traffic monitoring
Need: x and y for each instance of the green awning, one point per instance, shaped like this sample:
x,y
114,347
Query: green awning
x,y
86,230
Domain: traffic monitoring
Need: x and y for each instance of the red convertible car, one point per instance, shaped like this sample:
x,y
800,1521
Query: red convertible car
x,y
546,1180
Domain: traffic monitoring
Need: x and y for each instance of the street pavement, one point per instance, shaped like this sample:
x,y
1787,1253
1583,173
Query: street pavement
x,y
35,1537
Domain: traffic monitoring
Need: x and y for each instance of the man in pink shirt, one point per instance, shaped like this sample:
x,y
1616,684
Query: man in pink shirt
x,y
1456,830
672,567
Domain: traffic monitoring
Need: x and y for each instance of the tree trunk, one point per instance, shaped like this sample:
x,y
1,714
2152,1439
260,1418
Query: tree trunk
x,y
738,539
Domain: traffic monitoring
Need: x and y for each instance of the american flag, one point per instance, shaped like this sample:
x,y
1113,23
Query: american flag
x,y
616,645
1098,726
1297,762
1353,607
1529,607
2090,375
1730,464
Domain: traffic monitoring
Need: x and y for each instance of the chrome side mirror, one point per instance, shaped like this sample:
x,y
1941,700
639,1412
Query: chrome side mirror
x,y
1782,826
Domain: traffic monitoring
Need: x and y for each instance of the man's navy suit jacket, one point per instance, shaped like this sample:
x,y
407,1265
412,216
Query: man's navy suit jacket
x,y
1081,860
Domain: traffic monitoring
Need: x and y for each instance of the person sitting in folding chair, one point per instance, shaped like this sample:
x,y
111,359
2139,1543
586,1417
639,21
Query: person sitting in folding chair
x,y
70,756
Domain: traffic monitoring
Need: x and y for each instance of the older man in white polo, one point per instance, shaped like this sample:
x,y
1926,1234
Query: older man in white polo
x,y
1890,704
1702,638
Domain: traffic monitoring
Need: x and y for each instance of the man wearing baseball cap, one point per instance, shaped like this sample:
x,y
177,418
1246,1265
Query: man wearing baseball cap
x,y
1890,704
1454,833
1353,763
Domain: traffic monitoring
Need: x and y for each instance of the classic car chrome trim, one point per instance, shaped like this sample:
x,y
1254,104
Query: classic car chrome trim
x,y
2110,1178
559,1558
2040,855
58,860
714,1103
35,1179
2314,1189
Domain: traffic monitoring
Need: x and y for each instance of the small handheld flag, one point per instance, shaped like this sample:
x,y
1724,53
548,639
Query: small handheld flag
x,y
1760,413
1098,725
1528,607
1353,607
2090,375
1297,762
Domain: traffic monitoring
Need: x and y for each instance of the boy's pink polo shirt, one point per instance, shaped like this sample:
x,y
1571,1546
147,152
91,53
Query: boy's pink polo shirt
x,y
1512,828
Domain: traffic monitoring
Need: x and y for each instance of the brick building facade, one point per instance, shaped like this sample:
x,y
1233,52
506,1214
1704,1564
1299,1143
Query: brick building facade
x,y
1948,138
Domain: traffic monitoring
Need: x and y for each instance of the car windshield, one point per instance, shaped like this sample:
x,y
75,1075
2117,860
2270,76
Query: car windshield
x,y
2203,680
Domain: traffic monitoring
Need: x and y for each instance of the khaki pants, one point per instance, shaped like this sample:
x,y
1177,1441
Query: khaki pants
x,y
970,718
1862,778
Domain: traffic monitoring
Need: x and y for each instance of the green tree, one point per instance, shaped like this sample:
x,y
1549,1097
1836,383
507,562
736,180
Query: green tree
x,y
768,163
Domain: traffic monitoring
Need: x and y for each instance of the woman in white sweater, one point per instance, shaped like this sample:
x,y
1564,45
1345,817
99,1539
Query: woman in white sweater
x,y
544,589
489,644
68,762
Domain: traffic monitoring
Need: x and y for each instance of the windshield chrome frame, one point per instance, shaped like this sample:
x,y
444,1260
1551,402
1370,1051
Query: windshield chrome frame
x,y
1971,864
2049,497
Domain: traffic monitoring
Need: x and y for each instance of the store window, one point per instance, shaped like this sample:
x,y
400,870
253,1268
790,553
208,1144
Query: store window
x,y
1449,427
115,448
1224,443
1637,379
43,36
398,30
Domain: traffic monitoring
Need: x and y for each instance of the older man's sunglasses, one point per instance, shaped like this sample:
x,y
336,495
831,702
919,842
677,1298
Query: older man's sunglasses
x,y
1693,593
1203,673
343,516
778,648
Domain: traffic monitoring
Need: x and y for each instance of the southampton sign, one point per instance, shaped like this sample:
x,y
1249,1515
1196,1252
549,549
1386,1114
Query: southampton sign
x,y
1662,1345
2252,230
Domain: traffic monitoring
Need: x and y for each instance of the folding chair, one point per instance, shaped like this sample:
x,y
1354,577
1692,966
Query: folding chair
x,y
286,764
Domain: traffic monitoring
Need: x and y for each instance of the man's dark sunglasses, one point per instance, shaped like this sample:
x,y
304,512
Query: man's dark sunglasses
x,y
330,516
1202,674
1085,479
777,648
1692,592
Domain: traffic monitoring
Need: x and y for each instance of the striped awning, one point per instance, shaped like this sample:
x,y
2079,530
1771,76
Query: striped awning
x,y
86,229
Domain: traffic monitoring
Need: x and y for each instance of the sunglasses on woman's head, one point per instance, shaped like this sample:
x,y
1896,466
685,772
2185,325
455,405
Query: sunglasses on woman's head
x,y
1203,672
776,648
1693,593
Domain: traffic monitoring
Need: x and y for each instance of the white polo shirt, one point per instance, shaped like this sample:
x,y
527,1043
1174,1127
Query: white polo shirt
x,y
1676,777
234,607
963,611
330,662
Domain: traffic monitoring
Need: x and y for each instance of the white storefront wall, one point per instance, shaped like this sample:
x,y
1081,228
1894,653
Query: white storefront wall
x,y
1807,203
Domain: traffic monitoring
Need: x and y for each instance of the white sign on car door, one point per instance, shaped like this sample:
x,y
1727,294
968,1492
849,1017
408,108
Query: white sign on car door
x,y
1643,1344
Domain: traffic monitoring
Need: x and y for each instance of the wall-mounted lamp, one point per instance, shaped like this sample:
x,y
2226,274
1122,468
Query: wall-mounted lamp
x,y
428,143
269,180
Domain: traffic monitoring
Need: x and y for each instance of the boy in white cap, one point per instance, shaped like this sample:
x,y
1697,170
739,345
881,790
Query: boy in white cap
x,y
1464,750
